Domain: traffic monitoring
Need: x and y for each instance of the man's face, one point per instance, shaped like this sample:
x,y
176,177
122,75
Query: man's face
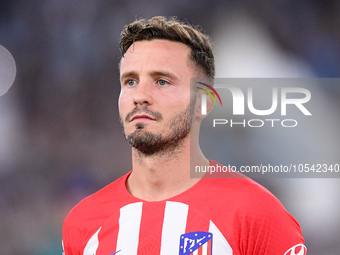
x,y
154,102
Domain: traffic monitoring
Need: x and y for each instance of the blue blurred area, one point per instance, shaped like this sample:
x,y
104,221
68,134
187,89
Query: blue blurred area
x,y
60,137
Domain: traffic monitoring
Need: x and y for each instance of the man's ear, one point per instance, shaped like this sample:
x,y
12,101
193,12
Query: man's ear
x,y
204,104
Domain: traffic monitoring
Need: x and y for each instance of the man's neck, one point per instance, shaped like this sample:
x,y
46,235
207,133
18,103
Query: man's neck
x,y
159,177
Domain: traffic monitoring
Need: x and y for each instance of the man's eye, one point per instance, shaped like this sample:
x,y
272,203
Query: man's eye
x,y
131,82
162,82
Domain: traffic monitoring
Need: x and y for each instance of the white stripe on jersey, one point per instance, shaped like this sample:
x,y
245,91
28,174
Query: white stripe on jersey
x,y
205,249
129,225
220,244
174,224
92,245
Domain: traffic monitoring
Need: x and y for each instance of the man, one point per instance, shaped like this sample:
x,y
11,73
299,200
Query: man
x,y
157,208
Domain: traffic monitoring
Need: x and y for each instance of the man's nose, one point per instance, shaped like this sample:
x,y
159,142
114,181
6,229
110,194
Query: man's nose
x,y
143,94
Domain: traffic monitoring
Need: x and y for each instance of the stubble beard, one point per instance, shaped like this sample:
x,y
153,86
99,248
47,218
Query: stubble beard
x,y
155,143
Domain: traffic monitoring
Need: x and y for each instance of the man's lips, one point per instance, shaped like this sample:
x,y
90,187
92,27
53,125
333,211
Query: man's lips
x,y
143,113
142,117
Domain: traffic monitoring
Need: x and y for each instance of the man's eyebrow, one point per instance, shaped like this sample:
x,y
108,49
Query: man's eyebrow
x,y
164,73
128,74
152,73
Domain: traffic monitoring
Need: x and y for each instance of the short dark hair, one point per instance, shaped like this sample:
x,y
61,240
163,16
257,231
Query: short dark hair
x,y
171,29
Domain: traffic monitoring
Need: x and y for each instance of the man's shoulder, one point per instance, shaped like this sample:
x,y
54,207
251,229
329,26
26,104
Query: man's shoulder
x,y
243,188
240,190
256,212
98,203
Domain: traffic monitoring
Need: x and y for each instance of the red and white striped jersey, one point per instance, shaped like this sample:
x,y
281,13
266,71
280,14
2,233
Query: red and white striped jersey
x,y
214,217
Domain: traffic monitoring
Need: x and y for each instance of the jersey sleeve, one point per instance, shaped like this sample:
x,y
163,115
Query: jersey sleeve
x,y
71,239
267,228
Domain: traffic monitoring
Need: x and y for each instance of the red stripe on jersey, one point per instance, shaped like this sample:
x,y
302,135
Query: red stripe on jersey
x,y
109,234
196,221
209,247
151,228
200,250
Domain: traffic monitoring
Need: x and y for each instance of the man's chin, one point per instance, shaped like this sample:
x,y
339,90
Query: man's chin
x,y
147,149
143,137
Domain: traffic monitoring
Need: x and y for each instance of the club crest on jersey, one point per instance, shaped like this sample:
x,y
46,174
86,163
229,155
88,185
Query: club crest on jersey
x,y
196,243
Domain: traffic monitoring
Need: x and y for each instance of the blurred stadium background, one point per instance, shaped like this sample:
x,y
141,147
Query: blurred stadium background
x,y
60,138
